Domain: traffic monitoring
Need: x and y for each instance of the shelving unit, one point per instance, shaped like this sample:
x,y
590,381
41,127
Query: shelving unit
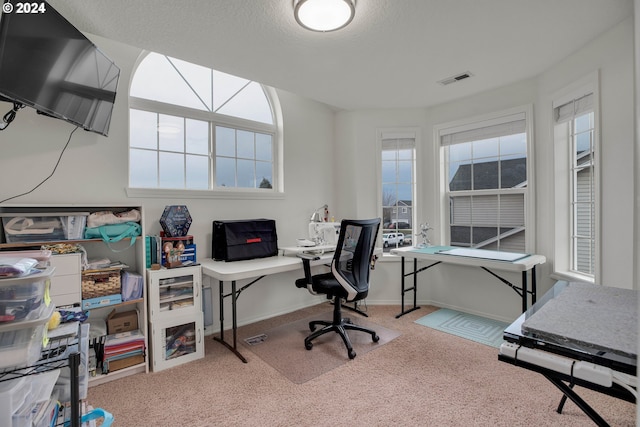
x,y
175,316
65,280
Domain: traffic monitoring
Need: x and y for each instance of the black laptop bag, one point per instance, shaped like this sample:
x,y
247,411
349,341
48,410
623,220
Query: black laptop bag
x,y
244,239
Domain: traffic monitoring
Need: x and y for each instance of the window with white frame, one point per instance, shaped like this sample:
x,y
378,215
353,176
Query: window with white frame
x,y
576,207
485,173
398,188
195,128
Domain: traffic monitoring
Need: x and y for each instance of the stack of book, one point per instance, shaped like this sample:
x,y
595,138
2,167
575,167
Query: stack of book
x,y
123,350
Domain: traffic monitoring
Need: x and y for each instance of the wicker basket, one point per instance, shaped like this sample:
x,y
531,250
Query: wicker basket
x,y
99,283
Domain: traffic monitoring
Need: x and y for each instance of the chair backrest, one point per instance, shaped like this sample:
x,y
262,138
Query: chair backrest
x,y
352,259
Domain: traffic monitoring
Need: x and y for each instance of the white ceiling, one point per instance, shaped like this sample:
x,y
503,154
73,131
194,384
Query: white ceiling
x,y
392,54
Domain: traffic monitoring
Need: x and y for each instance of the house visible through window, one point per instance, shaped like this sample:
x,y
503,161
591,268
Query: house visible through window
x,y
576,161
398,189
486,176
195,128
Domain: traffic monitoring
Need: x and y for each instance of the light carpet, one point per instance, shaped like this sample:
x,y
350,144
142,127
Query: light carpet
x,y
328,352
469,326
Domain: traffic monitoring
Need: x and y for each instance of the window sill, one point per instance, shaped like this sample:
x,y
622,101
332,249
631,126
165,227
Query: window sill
x,y
235,194
572,276
387,257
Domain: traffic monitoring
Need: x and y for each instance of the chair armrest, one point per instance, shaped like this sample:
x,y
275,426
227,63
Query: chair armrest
x,y
306,264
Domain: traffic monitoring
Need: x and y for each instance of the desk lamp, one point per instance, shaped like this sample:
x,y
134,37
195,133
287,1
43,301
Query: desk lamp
x,y
315,216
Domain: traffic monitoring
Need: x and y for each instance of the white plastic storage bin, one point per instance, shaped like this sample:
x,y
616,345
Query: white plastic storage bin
x,y
13,394
63,384
24,298
41,227
41,387
21,343
19,397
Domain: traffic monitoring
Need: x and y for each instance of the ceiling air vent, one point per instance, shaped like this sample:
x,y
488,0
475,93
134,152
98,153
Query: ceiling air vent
x,y
455,78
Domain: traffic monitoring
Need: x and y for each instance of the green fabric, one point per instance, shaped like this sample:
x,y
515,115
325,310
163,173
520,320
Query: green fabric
x,y
432,249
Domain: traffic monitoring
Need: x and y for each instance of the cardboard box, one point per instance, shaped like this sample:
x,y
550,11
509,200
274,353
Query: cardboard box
x,y
115,365
122,322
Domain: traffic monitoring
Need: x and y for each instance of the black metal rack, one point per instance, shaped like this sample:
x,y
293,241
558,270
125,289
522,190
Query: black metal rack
x,y
56,355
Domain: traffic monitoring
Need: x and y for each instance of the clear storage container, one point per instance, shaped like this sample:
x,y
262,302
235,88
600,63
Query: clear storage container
x,y
21,343
24,298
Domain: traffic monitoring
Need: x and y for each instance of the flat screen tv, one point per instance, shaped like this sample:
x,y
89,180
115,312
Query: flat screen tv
x,y
48,64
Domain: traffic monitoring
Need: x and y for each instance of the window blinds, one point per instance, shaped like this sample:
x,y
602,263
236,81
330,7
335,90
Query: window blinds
x,y
507,125
567,111
398,143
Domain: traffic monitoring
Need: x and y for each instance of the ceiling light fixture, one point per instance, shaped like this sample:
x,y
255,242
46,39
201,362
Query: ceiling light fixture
x,y
324,15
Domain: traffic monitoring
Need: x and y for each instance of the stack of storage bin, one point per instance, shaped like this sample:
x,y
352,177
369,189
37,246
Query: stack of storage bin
x,y
25,310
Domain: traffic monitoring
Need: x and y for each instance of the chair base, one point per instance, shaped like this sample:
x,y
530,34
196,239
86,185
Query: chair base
x,y
339,326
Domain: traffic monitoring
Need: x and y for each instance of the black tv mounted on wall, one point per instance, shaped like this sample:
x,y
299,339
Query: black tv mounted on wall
x,y
48,64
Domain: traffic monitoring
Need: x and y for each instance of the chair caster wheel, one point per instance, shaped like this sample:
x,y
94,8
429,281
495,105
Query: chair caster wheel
x,y
375,338
352,354
308,345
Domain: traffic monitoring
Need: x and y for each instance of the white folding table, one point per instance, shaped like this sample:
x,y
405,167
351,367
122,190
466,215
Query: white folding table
x,y
486,260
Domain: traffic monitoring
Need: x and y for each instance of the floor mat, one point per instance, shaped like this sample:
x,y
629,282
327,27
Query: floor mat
x,y
464,325
283,348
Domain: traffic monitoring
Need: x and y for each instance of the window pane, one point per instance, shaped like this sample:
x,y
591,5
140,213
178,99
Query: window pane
x,y
389,171
487,148
459,152
246,174
583,142
488,165
485,175
461,236
170,133
389,155
199,79
264,148
513,144
144,129
143,168
225,141
481,235
156,79
225,172
197,137
171,170
405,169
460,176
263,172
389,195
404,192
225,86
405,154
197,172
245,145
513,171
583,123
250,103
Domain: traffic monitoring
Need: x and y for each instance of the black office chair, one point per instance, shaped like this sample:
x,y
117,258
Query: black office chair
x,y
348,279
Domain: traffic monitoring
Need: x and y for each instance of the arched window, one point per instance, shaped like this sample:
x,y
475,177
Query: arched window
x,y
195,128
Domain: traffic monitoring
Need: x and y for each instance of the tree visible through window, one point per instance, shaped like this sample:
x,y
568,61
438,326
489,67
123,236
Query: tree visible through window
x,y
192,127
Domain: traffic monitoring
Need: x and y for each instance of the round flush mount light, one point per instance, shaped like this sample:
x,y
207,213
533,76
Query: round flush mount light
x,y
324,15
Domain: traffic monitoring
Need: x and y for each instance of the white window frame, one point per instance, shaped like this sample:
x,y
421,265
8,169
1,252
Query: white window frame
x,y
398,133
214,119
444,231
563,182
